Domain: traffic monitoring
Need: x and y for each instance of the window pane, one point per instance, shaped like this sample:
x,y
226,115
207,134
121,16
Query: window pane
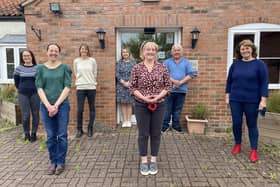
x,y
270,44
19,51
273,66
10,55
10,72
165,42
133,41
239,37
10,62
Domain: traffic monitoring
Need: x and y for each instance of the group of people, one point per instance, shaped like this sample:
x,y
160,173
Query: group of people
x,y
51,83
157,91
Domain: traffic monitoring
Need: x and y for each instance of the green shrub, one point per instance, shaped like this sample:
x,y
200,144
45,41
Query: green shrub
x,y
273,103
8,93
199,111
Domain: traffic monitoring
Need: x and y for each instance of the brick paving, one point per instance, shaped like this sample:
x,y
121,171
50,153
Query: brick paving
x,y
111,159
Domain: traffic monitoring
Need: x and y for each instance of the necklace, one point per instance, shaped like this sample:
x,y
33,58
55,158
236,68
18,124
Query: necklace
x,y
149,66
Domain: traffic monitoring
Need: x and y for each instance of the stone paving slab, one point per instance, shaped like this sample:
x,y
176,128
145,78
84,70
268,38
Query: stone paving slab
x,y
111,159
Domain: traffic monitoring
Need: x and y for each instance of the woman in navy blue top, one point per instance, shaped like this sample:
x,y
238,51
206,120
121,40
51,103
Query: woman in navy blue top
x,y
24,77
246,92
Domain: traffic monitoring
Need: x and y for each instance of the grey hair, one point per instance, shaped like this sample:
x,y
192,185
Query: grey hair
x,y
177,46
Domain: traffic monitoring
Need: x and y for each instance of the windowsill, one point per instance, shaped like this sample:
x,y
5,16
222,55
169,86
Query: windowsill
x,y
11,81
274,86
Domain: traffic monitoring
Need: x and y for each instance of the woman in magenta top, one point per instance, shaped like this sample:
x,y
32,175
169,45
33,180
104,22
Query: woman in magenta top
x,y
150,84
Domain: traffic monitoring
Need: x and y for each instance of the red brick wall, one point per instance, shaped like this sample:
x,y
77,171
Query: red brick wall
x,y
81,18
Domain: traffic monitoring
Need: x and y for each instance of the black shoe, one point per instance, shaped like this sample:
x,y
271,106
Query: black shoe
x,y
27,137
90,132
79,134
33,137
164,129
179,130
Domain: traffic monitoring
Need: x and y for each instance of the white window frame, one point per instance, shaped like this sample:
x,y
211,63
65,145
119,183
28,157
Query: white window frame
x,y
3,61
255,29
177,35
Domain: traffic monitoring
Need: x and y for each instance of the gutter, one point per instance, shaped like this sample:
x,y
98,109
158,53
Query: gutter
x,y
12,18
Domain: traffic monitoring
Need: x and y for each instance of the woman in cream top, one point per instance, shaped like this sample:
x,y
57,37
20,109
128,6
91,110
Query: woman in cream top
x,y
85,70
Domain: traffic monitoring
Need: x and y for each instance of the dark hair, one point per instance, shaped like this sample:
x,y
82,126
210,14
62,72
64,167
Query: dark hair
x,y
85,46
32,56
247,43
59,49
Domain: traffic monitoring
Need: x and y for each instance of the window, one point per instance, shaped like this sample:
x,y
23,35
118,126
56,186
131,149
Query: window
x,y
133,38
9,58
267,39
270,54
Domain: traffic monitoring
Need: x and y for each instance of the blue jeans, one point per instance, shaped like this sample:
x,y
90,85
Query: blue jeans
x,y
56,128
81,96
29,104
175,103
251,114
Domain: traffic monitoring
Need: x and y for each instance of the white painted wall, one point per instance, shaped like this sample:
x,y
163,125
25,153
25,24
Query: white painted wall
x,y
12,28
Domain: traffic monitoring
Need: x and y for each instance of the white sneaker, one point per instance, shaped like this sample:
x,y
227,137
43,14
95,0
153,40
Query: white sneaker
x,y
124,124
128,124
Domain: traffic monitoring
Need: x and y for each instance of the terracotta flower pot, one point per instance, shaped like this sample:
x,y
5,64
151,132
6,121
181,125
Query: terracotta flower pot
x,y
196,126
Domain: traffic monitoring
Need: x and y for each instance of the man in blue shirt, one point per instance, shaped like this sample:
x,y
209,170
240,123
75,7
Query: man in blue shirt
x,y
181,72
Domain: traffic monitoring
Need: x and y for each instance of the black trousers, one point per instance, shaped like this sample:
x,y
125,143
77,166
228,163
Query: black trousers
x,y
29,104
81,96
149,127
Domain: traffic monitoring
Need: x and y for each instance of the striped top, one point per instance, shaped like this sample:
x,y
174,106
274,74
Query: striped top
x,y
24,77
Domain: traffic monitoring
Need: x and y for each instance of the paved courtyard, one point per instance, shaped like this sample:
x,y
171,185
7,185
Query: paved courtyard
x,y
111,159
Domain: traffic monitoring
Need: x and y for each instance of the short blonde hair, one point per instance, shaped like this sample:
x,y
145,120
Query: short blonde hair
x,y
146,44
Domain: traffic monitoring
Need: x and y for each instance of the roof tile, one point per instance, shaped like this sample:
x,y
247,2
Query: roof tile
x,y
9,7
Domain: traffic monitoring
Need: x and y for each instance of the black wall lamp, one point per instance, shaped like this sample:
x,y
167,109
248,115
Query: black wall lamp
x,y
37,32
101,37
55,8
195,35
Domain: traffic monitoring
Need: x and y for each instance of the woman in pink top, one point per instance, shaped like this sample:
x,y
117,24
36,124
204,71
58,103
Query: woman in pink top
x,y
150,84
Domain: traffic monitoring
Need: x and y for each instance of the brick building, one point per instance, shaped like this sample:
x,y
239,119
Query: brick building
x,y
222,24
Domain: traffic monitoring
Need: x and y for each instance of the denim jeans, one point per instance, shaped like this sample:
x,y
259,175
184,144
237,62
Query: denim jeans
x,y
29,104
175,103
251,114
149,126
56,128
81,96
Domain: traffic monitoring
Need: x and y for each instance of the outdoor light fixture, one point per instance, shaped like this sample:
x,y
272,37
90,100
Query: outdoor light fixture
x,y
101,37
195,35
55,8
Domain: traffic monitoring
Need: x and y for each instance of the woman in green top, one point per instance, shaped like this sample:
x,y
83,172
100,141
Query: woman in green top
x,y
53,82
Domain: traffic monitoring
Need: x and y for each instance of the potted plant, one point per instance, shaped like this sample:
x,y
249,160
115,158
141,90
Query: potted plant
x,y
269,126
198,119
9,108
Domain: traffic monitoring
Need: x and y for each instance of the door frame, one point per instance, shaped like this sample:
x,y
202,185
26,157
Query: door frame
x,y
177,35
177,40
